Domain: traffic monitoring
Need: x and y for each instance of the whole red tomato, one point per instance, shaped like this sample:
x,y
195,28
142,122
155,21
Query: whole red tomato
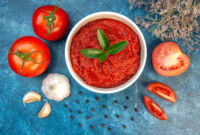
x,y
50,22
29,56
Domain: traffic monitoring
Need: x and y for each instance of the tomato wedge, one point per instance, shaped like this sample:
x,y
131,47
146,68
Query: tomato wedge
x,y
169,60
155,109
163,91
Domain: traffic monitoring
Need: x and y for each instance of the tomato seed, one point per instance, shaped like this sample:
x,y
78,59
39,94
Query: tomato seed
x,y
97,98
116,102
126,107
109,129
80,92
132,118
124,126
106,116
127,97
92,127
87,101
79,112
136,109
103,125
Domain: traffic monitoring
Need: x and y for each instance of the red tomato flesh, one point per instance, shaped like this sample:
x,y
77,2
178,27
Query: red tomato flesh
x,y
169,60
61,22
155,109
40,54
163,91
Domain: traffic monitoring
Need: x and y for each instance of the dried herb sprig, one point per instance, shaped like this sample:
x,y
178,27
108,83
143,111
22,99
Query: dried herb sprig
x,y
171,20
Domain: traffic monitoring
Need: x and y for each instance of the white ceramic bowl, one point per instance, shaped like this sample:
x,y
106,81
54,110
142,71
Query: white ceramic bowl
x,y
101,15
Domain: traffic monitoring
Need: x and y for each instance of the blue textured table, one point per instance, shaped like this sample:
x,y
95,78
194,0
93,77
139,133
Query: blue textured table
x,y
15,119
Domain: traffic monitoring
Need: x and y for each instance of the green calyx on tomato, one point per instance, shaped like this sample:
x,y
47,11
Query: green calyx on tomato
x,y
30,55
50,20
25,56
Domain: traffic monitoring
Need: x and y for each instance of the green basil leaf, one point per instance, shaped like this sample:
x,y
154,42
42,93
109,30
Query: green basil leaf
x,y
102,57
103,40
91,53
117,47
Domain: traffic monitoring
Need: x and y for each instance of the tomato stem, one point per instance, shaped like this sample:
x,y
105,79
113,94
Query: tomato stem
x,y
25,56
50,20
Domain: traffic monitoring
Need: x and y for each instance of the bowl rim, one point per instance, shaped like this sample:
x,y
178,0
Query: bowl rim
x,y
88,19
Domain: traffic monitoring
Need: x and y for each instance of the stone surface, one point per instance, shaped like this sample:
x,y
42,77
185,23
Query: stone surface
x,y
15,21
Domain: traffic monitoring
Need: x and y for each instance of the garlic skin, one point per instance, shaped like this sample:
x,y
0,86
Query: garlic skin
x,y
56,86
45,111
31,96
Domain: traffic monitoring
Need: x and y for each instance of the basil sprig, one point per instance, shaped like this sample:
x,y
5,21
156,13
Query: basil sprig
x,y
104,43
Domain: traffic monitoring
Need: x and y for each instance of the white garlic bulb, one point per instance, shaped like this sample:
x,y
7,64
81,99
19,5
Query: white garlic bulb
x,y
56,86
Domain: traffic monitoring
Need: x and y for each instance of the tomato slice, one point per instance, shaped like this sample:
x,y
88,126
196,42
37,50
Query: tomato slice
x,y
169,60
155,109
163,91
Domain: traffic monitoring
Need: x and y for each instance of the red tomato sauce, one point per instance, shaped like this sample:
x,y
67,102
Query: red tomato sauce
x,y
118,68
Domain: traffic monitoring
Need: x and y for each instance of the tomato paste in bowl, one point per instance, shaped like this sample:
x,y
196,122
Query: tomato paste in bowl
x,y
118,68
118,71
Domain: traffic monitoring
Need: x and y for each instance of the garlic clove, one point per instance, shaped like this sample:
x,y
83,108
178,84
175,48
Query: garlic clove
x,y
45,111
31,97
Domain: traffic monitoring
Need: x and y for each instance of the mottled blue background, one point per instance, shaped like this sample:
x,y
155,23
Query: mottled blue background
x,y
15,119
